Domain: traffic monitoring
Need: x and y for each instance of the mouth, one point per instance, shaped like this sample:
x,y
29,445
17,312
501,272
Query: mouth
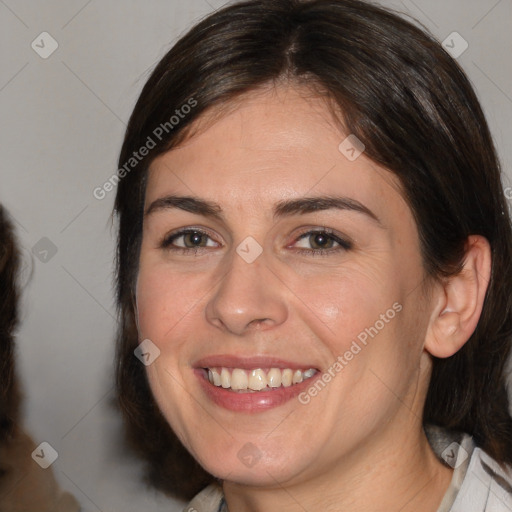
x,y
255,384
257,379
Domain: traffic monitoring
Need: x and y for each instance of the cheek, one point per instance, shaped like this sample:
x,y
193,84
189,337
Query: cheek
x,y
152,304
164,299
359,315
344,304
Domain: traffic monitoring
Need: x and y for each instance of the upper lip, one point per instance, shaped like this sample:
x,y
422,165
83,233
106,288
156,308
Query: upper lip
x,y
249,363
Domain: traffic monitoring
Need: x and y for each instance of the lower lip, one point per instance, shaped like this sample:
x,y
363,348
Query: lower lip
x,y
258,401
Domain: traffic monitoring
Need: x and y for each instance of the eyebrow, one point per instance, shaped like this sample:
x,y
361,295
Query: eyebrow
x,y
283,208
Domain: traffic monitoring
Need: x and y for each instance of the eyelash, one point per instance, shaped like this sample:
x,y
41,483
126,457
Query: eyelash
x,y
343,245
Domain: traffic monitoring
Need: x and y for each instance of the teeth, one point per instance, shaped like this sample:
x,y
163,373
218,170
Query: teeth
x,y
257,379
274,378
225,378
216,380
286,378
239,379
309,373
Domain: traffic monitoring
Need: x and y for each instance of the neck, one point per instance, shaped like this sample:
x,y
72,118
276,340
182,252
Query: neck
x,y
404,476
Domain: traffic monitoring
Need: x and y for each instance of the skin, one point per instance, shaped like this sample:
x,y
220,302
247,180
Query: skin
x,y
359,444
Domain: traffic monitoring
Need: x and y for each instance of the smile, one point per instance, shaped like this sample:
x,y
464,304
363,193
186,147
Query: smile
x,y
258,379
252,384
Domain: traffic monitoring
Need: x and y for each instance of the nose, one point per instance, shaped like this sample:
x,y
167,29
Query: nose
x,y
249,296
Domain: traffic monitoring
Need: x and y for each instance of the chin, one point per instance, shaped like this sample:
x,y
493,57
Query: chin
x,y
250,466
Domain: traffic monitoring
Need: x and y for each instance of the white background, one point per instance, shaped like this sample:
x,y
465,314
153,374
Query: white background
x,y
63,120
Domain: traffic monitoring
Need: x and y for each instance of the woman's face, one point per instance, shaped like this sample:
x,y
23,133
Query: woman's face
x,y
270,285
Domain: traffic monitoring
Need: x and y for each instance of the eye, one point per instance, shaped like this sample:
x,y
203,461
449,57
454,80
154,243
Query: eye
x,y
323,242
187,240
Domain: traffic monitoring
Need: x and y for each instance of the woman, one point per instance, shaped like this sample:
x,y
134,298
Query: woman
x,y
314,268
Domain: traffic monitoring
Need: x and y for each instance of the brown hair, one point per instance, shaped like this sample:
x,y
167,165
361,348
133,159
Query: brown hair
x,y
418,116
9,296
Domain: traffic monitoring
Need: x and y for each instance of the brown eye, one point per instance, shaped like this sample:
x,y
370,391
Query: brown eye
x,y
188,239
323,242
194,239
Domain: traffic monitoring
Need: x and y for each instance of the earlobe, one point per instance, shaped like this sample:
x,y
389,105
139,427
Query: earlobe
x,y
445,336
459,301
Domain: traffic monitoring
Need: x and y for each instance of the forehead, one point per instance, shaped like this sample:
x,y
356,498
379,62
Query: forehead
x,y
271,145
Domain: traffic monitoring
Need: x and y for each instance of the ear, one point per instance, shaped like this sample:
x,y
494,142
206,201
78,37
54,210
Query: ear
x,y
458,301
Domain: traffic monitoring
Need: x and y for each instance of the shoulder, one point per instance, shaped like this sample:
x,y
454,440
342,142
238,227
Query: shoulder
x,y
479,483
487,486
25,485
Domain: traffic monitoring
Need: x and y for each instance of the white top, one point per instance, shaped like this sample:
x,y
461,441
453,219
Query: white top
x,y
478,483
